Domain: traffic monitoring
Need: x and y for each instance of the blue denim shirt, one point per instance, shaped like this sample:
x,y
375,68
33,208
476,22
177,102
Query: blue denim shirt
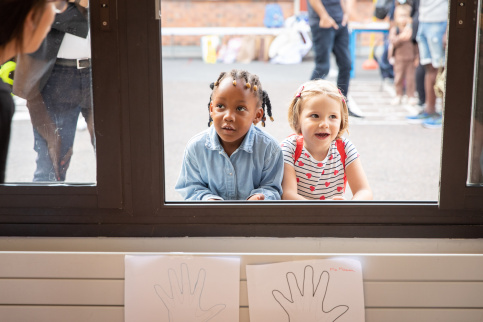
x,y
209,173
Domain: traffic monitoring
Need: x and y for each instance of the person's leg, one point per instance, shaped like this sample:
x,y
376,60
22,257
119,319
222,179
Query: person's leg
x,y
410,79
423,38
420,84
435,36
60,96
323,39
342,58
385,67
399,77
86,103
429,81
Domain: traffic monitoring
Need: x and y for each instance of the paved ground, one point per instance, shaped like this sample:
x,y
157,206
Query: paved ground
x,y
401,161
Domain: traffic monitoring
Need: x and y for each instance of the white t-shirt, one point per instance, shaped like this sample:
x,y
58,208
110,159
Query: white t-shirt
x,y
316,179
74,47
433,10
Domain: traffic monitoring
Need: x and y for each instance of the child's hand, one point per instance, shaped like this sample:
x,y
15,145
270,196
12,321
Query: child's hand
x,y
338,198
257,196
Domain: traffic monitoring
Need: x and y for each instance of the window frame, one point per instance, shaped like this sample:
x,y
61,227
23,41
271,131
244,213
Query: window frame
x,y
128,200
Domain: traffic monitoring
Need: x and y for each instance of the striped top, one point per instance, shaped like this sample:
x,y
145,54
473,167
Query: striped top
x,y
319,179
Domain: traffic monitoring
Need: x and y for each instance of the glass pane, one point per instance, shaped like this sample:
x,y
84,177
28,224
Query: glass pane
x,y
475,173
52,132
203,38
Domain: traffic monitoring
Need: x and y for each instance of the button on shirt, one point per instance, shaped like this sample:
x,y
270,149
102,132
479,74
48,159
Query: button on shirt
x,y
209,173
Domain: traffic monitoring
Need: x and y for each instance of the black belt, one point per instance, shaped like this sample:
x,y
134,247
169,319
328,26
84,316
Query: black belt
x,y
79,63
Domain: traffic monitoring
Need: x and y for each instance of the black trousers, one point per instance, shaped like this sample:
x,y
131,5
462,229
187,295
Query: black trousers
x,y
7,108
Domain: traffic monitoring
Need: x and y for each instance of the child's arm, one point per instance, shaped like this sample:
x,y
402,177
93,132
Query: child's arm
x,y
358,181
190,184
271,180
289,184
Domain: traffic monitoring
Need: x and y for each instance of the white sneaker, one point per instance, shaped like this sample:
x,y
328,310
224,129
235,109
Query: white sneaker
x,y
396,100
413,101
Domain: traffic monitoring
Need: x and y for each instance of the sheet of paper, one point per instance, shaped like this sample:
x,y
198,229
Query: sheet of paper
x,y
181,288
306,291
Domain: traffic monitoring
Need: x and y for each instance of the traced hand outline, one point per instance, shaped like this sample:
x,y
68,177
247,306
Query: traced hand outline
x,y
307,305
184,302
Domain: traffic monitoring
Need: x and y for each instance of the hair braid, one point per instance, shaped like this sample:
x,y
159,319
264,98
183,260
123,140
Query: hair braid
x,y
252,83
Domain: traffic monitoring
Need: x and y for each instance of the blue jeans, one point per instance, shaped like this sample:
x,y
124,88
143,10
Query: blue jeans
x,y
66,95
430,43
325,42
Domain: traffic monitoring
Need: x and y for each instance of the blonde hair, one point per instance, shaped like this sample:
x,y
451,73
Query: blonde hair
x,y
311,89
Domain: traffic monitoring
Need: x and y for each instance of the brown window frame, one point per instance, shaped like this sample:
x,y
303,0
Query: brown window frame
x,y
128,199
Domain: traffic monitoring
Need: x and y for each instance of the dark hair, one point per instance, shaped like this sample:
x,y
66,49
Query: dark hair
x,y
252,82
12,19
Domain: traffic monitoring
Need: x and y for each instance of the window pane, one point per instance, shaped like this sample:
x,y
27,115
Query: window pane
x,y
475,173
401,159
52,135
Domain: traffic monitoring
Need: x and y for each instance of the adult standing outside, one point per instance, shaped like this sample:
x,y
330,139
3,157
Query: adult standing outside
x,y
433,21
23,26
330,34
56,82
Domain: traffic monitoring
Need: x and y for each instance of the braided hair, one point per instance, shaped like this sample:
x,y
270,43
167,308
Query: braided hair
x,y
252,83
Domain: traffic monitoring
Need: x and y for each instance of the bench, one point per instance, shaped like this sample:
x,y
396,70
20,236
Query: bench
x,y
89,286
217,31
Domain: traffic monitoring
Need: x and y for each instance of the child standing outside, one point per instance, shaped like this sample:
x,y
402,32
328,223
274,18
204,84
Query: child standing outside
x,y
403,52
233,159
317,160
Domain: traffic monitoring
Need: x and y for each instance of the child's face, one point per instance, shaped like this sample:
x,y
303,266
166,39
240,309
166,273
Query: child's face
x,y
320,121
401,17
233,110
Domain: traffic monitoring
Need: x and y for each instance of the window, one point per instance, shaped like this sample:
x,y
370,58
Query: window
x,y
129,199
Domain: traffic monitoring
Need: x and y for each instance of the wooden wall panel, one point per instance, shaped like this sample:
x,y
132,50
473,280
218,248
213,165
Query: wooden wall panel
x,y
90,286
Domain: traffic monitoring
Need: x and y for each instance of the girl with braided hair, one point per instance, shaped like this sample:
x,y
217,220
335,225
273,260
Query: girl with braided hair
x,y
233,159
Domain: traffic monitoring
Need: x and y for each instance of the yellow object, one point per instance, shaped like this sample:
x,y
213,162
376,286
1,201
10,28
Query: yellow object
x,y
6,70
211,56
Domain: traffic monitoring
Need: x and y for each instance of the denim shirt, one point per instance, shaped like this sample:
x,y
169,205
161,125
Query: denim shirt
x,y
209,173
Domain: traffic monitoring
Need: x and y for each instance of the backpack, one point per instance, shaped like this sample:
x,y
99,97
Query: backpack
x,y
338,143
273,16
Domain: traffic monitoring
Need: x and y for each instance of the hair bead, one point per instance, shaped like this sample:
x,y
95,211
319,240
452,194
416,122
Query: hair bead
x,y
251,82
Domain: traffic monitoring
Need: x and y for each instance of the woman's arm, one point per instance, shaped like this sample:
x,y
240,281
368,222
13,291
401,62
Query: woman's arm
x,y
358,181
289,184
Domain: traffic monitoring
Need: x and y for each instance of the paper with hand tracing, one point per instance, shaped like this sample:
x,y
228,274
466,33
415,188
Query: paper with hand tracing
x,y
181,288
306,291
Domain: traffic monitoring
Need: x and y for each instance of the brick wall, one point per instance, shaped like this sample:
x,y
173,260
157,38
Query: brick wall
x,y
213,14
234,13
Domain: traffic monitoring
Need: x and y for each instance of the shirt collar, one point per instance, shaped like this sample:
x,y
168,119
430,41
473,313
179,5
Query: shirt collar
x,y
213,142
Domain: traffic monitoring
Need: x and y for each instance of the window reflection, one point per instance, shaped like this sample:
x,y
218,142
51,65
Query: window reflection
x,y
54,112
475,173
